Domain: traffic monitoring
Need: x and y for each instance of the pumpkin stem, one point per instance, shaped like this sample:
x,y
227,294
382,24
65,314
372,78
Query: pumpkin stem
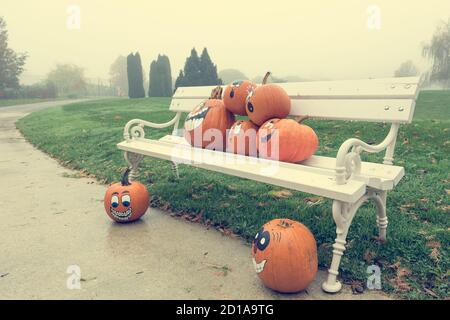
x,y
125,177
266,77
216,93
300,119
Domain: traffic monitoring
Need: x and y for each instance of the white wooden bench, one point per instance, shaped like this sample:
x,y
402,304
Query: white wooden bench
x,y
345,179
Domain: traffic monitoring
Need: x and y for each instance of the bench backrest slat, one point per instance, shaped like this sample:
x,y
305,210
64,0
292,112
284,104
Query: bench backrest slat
x,y
380,100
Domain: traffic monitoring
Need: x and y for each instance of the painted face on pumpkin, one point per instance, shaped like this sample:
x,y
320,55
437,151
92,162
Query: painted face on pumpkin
x,y
269,129
260,243
121,206
235,85
195,118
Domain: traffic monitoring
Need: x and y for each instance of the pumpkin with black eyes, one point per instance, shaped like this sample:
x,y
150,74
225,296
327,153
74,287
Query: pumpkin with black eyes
x,y
284,255
126,201
242,138
267,101
286,140
206,126
235,96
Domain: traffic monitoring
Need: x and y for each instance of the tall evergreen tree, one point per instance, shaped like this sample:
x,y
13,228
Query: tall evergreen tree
x,y
208,70
198,71
160,84
135,76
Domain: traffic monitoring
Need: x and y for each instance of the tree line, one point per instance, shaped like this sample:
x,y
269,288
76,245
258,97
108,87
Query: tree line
x,y
197,71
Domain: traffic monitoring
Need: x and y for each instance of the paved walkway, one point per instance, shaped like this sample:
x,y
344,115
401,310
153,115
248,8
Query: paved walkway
x,y
50,222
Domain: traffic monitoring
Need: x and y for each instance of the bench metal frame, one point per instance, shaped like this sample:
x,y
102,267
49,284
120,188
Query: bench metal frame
x,y
382,100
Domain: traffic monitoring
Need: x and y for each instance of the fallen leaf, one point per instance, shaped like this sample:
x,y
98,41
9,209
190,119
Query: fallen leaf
x,y
435,254
405,207
447,191
405,141
196,196
446,208
433,244
431,293
225,205
424,200
280,194
312,201
368,256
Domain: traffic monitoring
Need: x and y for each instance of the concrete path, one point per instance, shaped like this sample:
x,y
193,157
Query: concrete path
x,y
53,226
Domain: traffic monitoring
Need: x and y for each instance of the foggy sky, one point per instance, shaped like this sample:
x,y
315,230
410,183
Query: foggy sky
x,y
311,39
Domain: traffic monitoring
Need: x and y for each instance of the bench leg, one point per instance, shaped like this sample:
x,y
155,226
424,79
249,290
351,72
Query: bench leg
x,y
343,214
382,220
133,160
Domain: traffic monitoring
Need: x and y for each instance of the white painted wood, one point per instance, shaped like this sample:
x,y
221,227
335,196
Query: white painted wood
x,y
389,88
392,110
249,168
379,100
375,175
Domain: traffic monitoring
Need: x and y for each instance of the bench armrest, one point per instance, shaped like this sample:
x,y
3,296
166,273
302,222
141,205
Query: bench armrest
x,y
348,159
135,128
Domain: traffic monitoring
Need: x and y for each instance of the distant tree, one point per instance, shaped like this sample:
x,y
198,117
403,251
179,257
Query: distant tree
x,y
160,78
438,51
135,76
198,71
11,62
406,69
230,75
118,75
180,80
208,70
68,78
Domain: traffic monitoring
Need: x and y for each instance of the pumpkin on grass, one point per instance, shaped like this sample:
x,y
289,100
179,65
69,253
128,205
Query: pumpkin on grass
x,y
286,140
284,255
242,138
126,201
266,102
235,96
206,126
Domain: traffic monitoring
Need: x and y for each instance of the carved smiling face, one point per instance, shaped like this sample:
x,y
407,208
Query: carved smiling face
x,y
206,126
195,118
285,255
125,201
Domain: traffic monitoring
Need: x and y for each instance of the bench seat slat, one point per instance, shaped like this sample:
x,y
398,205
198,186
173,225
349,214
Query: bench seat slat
x,y
388,110
249,168
390,88
375,175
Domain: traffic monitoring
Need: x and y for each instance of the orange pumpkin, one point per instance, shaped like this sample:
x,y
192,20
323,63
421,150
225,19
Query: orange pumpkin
x,y
285,255
206,126
235,96
286,140
242,138
126,201
266,102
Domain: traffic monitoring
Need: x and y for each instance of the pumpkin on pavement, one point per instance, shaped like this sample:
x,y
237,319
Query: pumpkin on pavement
x,y
284,255
126,201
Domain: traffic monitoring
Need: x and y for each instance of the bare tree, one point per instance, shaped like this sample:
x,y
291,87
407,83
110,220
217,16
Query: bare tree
x,y
438,51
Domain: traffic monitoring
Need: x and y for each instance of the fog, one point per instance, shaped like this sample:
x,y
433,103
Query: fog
x,y
310,39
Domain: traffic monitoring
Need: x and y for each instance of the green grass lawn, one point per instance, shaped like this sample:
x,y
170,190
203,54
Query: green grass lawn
x,y
414,262
14,102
